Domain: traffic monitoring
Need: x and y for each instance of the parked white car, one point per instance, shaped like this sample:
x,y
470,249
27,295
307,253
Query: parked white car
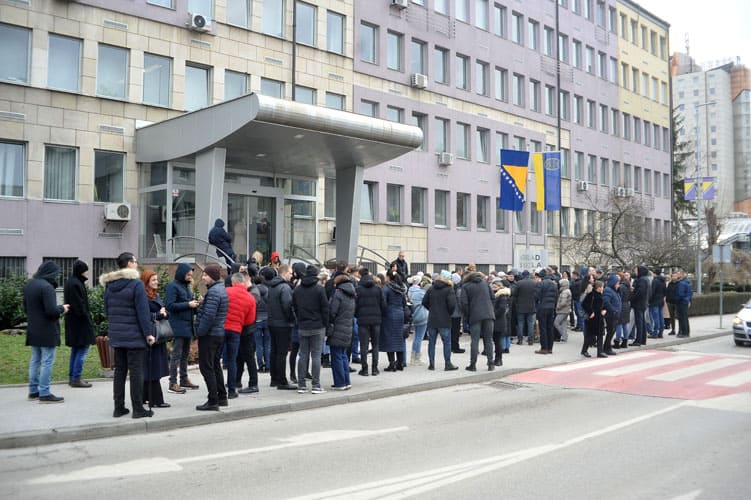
x,y
742,326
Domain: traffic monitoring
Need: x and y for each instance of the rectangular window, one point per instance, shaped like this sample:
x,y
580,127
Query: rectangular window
x,y
482,212
565,221
624,26
534,95
12,174
563,55
624,75
626,126
517,28
161,3
614,121
368,201
481,77
60,173
501,84
644,85
15,53
369,108
643,37
420,121
603,118
418,205
637,179
109,175
442,6
329,198
441,61
273,17
481,14
368,43
578,222
548,46
602,68
305,94
441,135
197,87
63,63
334,32
535,146
461,10
483,145
637,130
272,88
591,114
462,210
635,80
157,80
634,31
604,171
394,50
591,168
441,208
501,142
112,72
393,203
462,141
499,20
500,218
666,189
201,6
565,169
534,218
578,110
462,72
563,104
417,57
647,181
612,20
395,114
578,165
616,178
550,223
305,24
550,100
591,222
235,84
647,133
657,185
519,225
520,143
656,135
517,84
589,60
613,71
238,12
533,34
627,175
577,54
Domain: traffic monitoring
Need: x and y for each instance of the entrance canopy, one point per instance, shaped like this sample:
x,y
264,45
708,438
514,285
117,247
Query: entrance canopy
x,y
278,137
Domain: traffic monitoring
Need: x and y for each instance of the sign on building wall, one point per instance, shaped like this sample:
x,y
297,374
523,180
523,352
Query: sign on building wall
x,y
530,258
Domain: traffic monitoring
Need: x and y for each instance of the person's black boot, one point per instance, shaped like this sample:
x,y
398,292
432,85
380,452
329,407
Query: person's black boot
x,y
325,361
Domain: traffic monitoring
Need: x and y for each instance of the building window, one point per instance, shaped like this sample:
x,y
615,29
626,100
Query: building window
x,y
614,120
533,34
160,3
462,210
109,175
272,88
657,185
157,80
501,84
461,10
534,218
483,146
441,135
305,94
647,133
647,181
64,63
197,87
519,226
637,179
11,169
591,219
420,121
563,104
441,208
441,65
462,141
334,32
368,201
499,20
462,72
482,212
563,48
60,173
604,171
565,169
578,221
15,50
549,42
329,198
393,203
577,54
616,178
204,7
578,109
550,100
238,12
602,68
235,84
635,80
112,72
14,266
656,135
603,118
481,78
591,114
535,146
534,95
418,205
520,143
368,43
481,14
578,165
335,101
369,108
500,217
394,50
273,17
626,126
395,114
637,130
591,168
442,6
589,60
417,57
517,28
305,25
565,221
612,20
627,175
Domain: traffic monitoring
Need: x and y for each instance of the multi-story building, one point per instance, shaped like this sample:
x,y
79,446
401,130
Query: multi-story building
x,y
94,95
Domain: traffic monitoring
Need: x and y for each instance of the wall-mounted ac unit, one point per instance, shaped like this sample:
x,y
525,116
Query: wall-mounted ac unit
x,y
119,212
445,159
400,4
418,80
582,186
199,22
624,192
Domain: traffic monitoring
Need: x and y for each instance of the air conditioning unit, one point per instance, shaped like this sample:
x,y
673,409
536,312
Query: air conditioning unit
x,y
199,22
624,192
418,80
400,4
119,212
445,159
582,186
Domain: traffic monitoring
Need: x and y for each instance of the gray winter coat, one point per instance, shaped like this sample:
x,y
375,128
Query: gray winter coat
x,y
476,299
342,314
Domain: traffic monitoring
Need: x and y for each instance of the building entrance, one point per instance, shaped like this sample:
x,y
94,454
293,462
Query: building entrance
x,y
251,223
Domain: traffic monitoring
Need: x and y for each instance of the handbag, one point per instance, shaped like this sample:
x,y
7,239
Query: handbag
x,y
163,331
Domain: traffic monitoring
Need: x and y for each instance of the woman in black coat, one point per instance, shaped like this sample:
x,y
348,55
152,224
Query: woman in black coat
x,y
594,312
155,364
392,328
79,328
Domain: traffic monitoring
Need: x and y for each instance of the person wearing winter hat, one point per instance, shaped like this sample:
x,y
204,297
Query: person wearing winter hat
x,y
181,305
210,332
79,328
275,261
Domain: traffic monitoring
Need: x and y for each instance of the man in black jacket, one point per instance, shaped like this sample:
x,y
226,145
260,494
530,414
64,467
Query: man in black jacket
x,y
79,328
639,300
440,301
546,301
656,304
312,312
281,320
370,306
476,302
401,266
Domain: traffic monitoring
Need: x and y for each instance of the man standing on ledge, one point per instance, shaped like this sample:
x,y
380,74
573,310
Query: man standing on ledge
x,y
401,266
210,332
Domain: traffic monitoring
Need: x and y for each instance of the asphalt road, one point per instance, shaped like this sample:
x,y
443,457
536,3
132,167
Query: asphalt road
x,y
494,440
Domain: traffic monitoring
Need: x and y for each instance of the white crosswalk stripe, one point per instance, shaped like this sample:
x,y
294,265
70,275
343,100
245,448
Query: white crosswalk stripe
x,y
692,371
599,362
647,365
735,380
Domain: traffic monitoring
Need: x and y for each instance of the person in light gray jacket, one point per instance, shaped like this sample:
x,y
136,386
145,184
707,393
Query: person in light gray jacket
x,y
562,309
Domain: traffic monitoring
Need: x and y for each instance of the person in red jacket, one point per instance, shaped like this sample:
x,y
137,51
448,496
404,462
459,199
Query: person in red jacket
x,y
241,321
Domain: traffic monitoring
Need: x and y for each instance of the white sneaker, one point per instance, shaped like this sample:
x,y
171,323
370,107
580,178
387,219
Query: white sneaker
x,y
318,390
302,390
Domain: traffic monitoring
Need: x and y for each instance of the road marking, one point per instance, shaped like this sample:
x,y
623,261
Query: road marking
x,y
599,362
410,485
740,402
691,371
161,464
735,380
692,495
625,370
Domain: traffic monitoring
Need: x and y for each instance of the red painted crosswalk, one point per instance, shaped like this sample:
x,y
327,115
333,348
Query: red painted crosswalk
x,y
681,375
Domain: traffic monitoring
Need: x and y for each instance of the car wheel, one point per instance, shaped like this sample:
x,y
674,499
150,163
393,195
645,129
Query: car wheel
x,y
739,343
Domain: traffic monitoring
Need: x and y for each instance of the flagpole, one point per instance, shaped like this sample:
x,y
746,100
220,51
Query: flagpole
x,y
558,127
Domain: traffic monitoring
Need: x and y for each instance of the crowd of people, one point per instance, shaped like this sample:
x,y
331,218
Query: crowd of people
x,y
292,321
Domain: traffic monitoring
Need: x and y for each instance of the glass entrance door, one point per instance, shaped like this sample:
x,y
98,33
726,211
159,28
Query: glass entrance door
x,y
250,221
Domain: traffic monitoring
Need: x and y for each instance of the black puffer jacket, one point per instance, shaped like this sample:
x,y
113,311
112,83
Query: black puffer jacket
x,y
79,329
440,301
640,295
279,303
40,304
476,299
657,299
342,313
310,304
525,294
370,304
547,297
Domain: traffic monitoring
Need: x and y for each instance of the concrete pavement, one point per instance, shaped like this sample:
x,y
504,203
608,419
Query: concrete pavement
x,y
87,413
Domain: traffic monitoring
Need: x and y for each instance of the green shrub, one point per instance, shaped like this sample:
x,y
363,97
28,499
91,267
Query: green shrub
x,y
96,304
709,303
11,301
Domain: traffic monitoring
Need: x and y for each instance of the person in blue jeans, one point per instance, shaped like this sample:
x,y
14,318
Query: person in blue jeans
x,y
341,316
416,293
262,334
79,328
43,331
656,304
440,302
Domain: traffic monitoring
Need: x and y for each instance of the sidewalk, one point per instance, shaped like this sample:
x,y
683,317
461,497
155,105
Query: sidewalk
x,y
87,413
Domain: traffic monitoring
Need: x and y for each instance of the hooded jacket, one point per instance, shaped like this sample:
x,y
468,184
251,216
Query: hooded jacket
x,y
611,299
370,303
419,314
640,295
476,300
310,304
127,308
501,302
40,304
242,309
279,303
547,295
177,297
213,311
563,306
657,297
525,295
683,292
219,237
440,301
79,328
342,313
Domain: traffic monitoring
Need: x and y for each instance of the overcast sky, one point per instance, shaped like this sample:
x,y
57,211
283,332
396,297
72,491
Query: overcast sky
x,y
717,30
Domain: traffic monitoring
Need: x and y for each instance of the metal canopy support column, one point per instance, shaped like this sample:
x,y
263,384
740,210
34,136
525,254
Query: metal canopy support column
x,y
348,199
209,189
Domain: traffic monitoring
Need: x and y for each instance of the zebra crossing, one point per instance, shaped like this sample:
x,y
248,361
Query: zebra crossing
x,y
681,374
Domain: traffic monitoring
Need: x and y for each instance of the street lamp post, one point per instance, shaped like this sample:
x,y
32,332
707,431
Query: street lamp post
x,y
699,197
